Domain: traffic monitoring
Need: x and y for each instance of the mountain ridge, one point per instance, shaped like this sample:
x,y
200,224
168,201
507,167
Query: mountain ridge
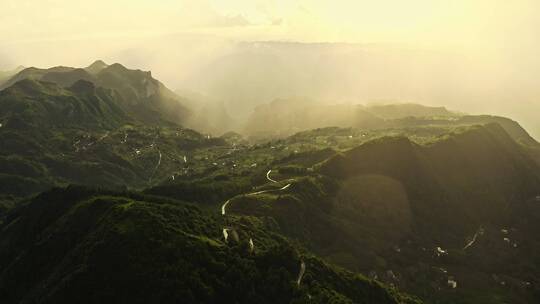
x,y
143,97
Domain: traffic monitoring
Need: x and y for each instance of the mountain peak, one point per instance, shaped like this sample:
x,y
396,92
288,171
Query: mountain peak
x,y
117,67
97,66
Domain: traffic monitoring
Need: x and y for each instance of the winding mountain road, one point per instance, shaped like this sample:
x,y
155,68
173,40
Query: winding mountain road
x,y
469,244
224,206
224,212
268,191
268,176
301,273
225,231
225,234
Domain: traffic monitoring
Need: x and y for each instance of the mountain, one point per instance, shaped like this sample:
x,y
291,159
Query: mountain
x,y
37,74
284,117
139,94
41,104
125,247
461,209
400,206
269,70
396,111
96,67
84,134
104,198
145,97
249,74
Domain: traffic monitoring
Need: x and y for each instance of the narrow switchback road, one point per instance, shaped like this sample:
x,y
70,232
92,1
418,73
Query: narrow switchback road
x,y
224,206
269,178
224,212
301,273
225,234
272,190
469,244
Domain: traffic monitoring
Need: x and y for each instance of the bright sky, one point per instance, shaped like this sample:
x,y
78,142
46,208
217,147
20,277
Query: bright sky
x,y
428,22
29,29
502,33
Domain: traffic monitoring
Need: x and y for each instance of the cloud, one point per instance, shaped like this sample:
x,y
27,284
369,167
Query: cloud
x,y
226,21
277,21
201,14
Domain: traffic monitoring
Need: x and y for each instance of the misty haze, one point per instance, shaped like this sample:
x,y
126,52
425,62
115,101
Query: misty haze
x,y
269,151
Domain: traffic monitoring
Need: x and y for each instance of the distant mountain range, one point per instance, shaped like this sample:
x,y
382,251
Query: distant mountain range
x,y
138,94
285,117
255,73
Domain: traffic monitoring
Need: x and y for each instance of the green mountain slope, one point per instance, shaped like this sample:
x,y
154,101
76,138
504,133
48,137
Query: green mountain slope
x,y
112,247
462,209
36,74
44,104
139,94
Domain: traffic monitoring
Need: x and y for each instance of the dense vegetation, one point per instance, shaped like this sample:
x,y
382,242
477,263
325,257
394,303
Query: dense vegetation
x,y
408,200
405,213
125,247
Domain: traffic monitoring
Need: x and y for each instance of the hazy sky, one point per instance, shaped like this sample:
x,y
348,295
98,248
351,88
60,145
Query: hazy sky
x,y
31,31
52,32
460,23
499,38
